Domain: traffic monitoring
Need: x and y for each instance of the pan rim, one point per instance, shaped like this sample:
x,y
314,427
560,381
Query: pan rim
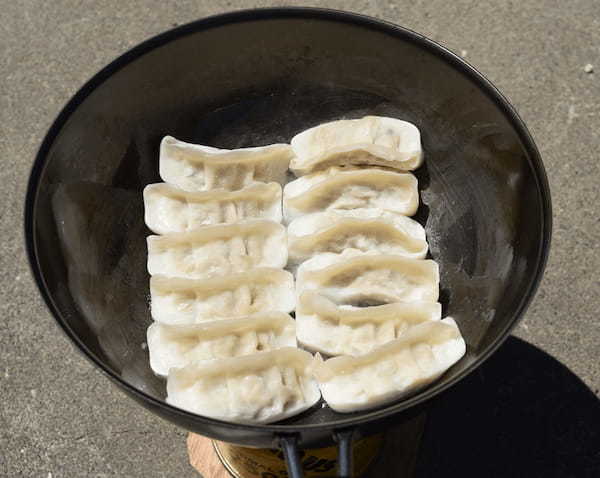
x,y
240,16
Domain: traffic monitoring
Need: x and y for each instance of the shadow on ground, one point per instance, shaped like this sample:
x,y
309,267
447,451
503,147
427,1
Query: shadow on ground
x,y
522,413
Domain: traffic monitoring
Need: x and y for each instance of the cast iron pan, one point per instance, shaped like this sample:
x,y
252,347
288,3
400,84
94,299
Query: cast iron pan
x,y
257,77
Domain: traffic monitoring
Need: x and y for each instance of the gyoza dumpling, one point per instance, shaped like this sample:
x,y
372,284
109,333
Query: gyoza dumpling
x,y
393,370
323,326
362,229
342,189
175,346
261,388
218,250
355,278
372,140
315,222
187,301
200,168
170,209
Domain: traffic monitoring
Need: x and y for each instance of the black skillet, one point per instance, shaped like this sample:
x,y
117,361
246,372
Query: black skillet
x,y
257,77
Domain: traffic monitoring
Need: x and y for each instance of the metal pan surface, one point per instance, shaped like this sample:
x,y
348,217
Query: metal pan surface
x,y
257,77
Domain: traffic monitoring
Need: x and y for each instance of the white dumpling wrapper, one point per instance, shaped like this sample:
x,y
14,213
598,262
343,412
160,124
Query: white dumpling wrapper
x,y
195,167
356,278
371,140
392,371
168,209
361,229
192,301
347,189
261,388
325,327
218,250
175,346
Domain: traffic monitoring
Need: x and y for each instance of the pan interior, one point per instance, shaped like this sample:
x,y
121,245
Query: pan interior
x,y
258,82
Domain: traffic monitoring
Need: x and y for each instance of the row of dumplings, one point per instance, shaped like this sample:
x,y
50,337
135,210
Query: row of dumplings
x,y
366,295
221,299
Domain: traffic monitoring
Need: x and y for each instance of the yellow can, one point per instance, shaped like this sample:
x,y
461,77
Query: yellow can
x,y
243,462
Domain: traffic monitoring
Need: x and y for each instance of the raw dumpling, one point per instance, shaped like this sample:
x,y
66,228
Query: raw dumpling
x,y
361,229
218,250
187,301
372,140
360,279
174,346
169,209
393,370
313,223
322,326
342,189
261,388
194,167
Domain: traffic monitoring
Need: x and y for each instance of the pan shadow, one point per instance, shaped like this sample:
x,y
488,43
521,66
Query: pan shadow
x,y
522,413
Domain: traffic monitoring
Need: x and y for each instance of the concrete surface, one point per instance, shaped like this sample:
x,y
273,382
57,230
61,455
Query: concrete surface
x,y
61,418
